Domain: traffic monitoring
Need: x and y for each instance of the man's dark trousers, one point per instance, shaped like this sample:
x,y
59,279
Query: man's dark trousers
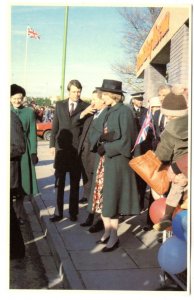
x,y
75,175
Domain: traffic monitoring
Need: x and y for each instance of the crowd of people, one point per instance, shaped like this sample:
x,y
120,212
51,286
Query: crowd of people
x,y
42,113
95,142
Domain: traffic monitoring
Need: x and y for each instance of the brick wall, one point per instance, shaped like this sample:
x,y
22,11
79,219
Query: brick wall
x,y
154,76
179,57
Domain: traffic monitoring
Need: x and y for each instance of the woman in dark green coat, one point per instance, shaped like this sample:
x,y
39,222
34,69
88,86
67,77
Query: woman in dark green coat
x,y
29,158
114,188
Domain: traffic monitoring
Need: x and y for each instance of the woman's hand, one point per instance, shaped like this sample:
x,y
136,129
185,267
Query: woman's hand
x,y
107,137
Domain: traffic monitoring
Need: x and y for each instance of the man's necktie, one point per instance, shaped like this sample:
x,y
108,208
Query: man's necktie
x,y
161,126
137,112
71,109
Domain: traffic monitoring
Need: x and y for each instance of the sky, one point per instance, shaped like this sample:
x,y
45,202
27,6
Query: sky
x,y
93,45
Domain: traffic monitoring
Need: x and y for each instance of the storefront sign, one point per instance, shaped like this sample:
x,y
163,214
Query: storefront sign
x,y
158,32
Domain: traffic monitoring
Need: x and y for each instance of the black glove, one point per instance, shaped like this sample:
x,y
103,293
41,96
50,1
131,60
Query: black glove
x,y
107,137
34,158
101,150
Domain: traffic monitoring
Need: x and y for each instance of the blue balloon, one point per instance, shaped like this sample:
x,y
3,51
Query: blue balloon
x,y
179,225
172,255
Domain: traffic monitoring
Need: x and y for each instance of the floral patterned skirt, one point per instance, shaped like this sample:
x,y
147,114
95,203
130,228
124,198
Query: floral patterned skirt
x,y
98,190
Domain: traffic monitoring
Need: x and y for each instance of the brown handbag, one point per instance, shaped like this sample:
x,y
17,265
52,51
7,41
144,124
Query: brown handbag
x,y
152,171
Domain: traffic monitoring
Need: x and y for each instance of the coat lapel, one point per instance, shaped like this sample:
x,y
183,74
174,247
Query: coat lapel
x,y
66,108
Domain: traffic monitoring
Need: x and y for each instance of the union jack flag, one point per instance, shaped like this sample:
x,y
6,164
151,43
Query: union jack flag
x,y
148,123
32,33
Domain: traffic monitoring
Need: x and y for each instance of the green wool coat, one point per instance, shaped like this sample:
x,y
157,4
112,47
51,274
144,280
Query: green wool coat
x,y
174,140
28,175
120,195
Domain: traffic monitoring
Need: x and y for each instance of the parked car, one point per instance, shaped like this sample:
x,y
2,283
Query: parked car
x,y
43,130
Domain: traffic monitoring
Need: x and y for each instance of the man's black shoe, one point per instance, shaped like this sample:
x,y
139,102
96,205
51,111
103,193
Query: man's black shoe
x,y
121,218
147,228
83,200
73,218
160,239
56,218
96,227
88,221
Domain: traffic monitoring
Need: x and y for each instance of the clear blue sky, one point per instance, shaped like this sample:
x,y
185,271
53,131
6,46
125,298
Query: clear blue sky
x,y
93,45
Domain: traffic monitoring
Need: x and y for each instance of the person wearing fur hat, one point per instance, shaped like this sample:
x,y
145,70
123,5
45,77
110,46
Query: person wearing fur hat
x,y
173,145
114,188
29,159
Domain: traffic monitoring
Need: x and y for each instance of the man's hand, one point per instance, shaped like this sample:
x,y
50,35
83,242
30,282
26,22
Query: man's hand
x,y
52,151
90,110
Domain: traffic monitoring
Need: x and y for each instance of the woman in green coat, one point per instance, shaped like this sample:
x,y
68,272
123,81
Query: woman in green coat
x,y
29,158
114,188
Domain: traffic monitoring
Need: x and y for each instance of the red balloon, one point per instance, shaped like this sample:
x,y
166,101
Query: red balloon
x,y
157,210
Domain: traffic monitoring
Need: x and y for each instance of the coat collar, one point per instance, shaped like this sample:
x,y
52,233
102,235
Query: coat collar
x,y
79,107
115,107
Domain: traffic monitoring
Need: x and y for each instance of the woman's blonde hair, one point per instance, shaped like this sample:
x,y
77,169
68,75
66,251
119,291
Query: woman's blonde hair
x,y
116,97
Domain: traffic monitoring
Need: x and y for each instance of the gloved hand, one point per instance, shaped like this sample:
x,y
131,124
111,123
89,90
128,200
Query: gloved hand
x,y
101,150
107,137
34,158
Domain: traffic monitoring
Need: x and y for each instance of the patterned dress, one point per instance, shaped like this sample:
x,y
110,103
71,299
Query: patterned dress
x,y
98,190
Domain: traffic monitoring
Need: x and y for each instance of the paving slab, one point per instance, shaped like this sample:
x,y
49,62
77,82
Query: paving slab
x,y
126,280
95,259
133,266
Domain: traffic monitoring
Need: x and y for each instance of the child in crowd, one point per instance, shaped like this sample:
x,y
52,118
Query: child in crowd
x,y
173,145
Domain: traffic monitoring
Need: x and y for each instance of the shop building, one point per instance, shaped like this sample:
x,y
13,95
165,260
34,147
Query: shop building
x,y
165,56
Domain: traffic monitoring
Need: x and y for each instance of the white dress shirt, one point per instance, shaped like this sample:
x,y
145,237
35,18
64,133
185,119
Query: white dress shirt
x,y
74,104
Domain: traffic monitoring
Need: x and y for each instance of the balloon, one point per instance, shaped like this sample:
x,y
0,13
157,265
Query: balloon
x,y
172,255
179,225
157,210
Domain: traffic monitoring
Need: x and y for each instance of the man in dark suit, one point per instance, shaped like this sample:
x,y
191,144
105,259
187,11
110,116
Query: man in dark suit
x,y
158,118
88,157
64,143
139,113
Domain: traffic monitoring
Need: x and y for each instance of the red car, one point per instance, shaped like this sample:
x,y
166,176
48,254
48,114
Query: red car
x,y
44,130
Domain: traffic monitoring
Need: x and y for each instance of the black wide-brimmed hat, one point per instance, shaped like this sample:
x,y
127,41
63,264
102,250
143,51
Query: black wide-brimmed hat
x,y
16,89
112,86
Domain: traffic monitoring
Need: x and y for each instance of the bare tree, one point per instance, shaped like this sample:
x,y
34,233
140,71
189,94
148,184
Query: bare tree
x,y
138,22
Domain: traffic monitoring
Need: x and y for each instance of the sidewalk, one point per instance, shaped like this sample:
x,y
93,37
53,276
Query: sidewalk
x,y
132,267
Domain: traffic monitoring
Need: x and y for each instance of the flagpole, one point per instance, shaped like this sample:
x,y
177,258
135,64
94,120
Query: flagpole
x,y
64,52
25,59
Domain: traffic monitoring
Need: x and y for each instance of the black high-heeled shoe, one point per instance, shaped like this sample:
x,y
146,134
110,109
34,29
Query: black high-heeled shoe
x,y
115,246
103,242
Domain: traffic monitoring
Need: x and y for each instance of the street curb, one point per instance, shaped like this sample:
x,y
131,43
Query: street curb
x,y
71,278
55,281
